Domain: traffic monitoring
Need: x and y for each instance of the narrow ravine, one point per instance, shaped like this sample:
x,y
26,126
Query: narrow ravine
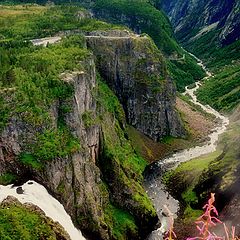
x,y
153,183
36,194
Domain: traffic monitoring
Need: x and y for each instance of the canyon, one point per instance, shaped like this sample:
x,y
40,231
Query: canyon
x,y
69,99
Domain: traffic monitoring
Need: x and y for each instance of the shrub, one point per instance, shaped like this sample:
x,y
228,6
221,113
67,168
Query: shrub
x,y
205,225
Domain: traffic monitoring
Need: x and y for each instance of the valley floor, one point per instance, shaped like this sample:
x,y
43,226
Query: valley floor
x,y
198,123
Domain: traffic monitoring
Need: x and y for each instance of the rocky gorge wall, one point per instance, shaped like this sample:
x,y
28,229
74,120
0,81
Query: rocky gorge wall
x,y
135,70
74,179
101,177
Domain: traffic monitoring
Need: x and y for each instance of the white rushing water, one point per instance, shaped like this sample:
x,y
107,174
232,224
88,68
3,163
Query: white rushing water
x,y
153,184
36,194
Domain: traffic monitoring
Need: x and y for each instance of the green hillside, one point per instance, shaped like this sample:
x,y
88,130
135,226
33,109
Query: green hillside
x,y
223,90
20,222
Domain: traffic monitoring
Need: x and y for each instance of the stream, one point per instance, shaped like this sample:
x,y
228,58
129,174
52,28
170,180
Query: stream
x,y
166,206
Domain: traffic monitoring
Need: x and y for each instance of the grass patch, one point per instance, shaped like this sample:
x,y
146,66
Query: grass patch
x,y
224,88
29,160
191,215
109,101
182,180
120,221
17,222
52,144
7,178
88,119
197,165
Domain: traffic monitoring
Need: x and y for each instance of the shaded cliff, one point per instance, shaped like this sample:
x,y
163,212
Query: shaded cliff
x,y
135,70
143,17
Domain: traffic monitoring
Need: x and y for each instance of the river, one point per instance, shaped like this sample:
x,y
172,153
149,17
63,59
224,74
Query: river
x,y
38,195
155,189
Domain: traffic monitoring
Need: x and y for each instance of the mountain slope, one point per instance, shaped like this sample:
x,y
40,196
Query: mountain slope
x,y
222,15
213,37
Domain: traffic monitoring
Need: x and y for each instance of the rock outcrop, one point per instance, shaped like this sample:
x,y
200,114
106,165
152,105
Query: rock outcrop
x,y
135,70
143,17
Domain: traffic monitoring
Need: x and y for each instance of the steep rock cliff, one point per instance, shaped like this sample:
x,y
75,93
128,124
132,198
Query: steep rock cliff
x,y
80,178
75,178
143,17
135,70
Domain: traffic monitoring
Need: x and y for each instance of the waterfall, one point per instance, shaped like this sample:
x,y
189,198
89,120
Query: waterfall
x,y
36,194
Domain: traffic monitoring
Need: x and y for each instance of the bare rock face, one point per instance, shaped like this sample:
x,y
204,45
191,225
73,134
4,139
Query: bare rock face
x,y
231,29
74,179
135,70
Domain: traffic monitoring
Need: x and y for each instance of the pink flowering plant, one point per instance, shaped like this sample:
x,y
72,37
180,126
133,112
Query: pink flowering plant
x,y
170,234
205,225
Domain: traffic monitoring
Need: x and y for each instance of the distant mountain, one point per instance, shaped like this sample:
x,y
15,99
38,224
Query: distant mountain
x,y
191,17
211,30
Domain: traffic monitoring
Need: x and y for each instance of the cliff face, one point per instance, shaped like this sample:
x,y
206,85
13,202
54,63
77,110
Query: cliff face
x,y
135,70
189,16
143,17
231,29
95,182
74,179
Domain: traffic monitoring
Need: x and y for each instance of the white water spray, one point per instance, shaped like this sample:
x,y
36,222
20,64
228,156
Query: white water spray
x,y
36,194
